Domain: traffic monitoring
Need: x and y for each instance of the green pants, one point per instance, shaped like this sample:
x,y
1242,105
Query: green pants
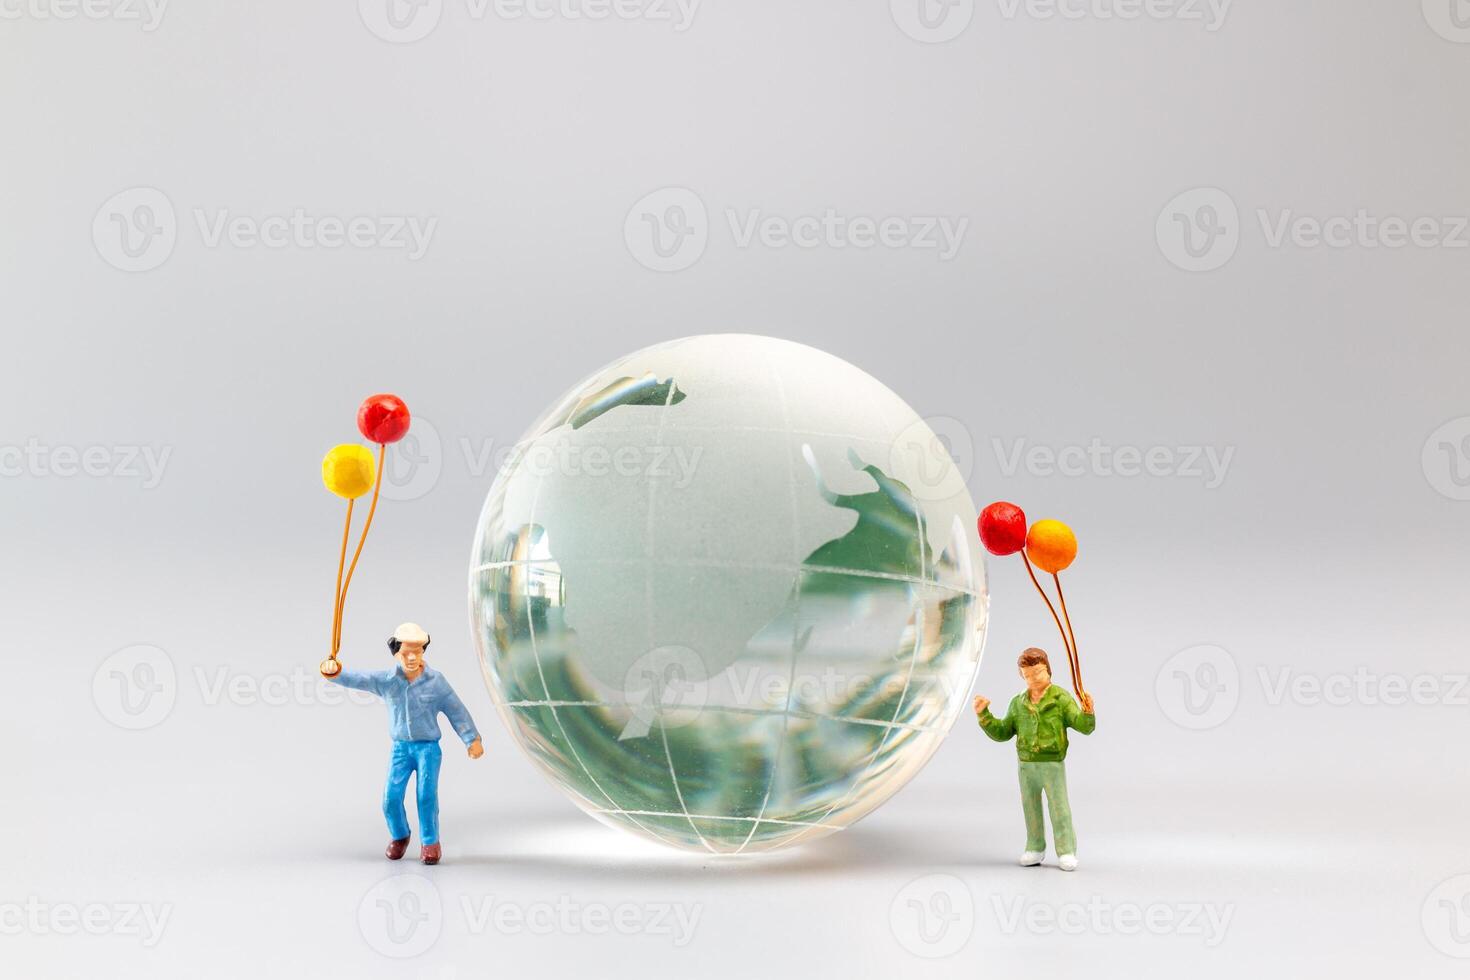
x,y
1051,778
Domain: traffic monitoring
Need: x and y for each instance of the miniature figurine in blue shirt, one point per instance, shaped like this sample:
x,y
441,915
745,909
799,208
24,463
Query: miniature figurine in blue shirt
x,y
415,696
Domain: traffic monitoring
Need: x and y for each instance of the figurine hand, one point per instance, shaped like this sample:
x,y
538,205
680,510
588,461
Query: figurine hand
x,y
981,703
1087,707
330,667
476,749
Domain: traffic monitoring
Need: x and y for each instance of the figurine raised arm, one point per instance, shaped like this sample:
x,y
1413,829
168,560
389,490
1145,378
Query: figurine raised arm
x,y
416,696
1038,719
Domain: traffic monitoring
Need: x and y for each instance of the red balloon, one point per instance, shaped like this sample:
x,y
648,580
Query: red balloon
x,y
383,418
1003,528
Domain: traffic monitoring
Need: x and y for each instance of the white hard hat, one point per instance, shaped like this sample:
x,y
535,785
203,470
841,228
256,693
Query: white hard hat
x,y
410,633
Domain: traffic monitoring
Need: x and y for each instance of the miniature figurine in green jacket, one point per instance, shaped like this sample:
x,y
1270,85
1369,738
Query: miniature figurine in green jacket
x,y
1038,718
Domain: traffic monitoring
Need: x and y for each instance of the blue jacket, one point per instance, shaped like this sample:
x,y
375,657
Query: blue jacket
x,y
414,707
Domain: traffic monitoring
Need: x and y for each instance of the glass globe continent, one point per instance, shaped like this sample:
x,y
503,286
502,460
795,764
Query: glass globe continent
x,y
727,593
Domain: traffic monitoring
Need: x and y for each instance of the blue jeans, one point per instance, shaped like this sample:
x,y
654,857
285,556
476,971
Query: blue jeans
x,y
408,758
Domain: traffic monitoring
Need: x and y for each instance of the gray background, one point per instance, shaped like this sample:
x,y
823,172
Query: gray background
x,y
1326,831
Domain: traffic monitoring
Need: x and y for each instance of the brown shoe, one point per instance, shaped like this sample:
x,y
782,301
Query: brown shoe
x,y
429,854
396,848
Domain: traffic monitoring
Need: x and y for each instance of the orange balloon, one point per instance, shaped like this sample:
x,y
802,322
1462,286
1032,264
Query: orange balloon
x,y
1051,546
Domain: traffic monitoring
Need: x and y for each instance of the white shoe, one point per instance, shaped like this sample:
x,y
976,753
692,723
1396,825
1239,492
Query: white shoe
x,y
1032,858
1067,862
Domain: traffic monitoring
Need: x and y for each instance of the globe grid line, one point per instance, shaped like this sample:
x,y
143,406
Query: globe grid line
x,y
797,645
648,554
729,564
738,710
545,689
908,678
766,429
712,816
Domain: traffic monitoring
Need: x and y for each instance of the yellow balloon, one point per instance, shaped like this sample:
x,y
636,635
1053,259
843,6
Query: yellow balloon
x,y
1051,546
348,470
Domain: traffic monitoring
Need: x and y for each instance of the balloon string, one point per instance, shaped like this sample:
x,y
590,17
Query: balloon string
x,y
1076,656
1055,618
337,596
372,508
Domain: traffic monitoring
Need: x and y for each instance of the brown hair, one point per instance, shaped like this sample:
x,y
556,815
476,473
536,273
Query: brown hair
x,y
1031,656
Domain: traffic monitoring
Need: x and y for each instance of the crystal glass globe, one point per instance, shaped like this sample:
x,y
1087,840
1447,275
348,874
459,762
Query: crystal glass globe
x,y
727,593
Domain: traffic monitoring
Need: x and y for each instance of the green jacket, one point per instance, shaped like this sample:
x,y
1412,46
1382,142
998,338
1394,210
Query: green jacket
x,y
1041,728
